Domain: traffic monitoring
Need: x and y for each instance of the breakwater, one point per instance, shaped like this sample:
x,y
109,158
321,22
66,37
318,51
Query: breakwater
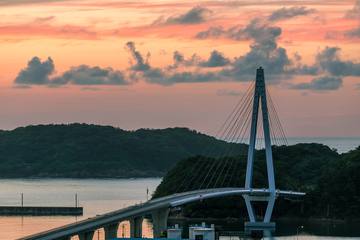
x,y
40,211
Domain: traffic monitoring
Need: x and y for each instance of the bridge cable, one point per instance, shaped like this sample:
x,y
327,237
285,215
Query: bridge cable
x,y
247,100
277,120
228,155
229,138
274,139
234,172
220,134
247,112
275,129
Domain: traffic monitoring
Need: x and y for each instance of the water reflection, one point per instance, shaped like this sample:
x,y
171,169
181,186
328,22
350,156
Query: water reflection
x,y
97,196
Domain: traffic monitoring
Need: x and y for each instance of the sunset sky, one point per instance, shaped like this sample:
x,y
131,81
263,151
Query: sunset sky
x,y
165,63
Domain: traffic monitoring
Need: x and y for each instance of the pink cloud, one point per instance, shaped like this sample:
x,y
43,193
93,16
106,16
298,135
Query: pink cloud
x,y
47,30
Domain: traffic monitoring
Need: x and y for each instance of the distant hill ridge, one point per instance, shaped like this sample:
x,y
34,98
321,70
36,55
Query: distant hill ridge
x,y
93,151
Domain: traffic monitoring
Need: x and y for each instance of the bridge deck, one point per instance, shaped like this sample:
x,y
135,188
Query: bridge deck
x,y
148,207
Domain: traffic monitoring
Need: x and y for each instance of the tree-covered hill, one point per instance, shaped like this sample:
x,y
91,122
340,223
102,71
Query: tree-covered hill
x,y
81,150
339,185
297,167
331,181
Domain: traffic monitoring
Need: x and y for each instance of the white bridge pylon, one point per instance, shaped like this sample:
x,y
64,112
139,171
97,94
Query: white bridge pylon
x,y
260,101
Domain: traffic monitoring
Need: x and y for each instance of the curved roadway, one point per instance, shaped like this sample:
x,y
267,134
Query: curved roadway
x,y
148,207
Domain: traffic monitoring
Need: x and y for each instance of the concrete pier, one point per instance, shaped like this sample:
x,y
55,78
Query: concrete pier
x,y
111,230
40,211
136,227
160,218
86,235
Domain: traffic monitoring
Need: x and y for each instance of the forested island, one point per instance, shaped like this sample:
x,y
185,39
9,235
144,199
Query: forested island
x,y
331,181
93,151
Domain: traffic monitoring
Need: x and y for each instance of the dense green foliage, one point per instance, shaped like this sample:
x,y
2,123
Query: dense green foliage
x,y
80,150
339,186
297,167
331,181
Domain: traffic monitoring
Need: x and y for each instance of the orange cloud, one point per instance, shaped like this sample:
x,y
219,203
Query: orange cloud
x,y
45,30
167,5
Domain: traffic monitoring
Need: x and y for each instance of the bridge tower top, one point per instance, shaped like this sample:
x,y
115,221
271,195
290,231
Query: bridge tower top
x,y
260,101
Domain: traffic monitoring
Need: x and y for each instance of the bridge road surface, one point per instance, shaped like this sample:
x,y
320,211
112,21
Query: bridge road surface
x,y
148,207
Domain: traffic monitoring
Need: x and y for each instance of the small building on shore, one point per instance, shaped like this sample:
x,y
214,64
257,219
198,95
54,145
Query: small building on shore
x,y
174,232
202,232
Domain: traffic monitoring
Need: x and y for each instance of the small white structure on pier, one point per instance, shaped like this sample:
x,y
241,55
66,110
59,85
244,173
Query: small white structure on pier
x,y
174,233
202,232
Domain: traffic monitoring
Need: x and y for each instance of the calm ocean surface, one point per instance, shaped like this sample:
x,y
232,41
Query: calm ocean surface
x,y
95,195
342,144
102,195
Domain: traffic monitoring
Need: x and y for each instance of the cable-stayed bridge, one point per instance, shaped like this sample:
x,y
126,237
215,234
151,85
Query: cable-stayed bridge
x,y
254,119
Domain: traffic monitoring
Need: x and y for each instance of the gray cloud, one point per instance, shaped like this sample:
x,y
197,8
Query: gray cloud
x,y
40,73
86,75
354,13
195,15
258,30
354,33
264,35
216,59
287,13
325,83
306,70
212,32
180,60
166,76
257,27
36,72
329,60
141,69
264,51
141,64
159,76
190,77
275,62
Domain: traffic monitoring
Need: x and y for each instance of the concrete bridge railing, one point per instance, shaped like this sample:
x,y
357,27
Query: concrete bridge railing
x,y
158,209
